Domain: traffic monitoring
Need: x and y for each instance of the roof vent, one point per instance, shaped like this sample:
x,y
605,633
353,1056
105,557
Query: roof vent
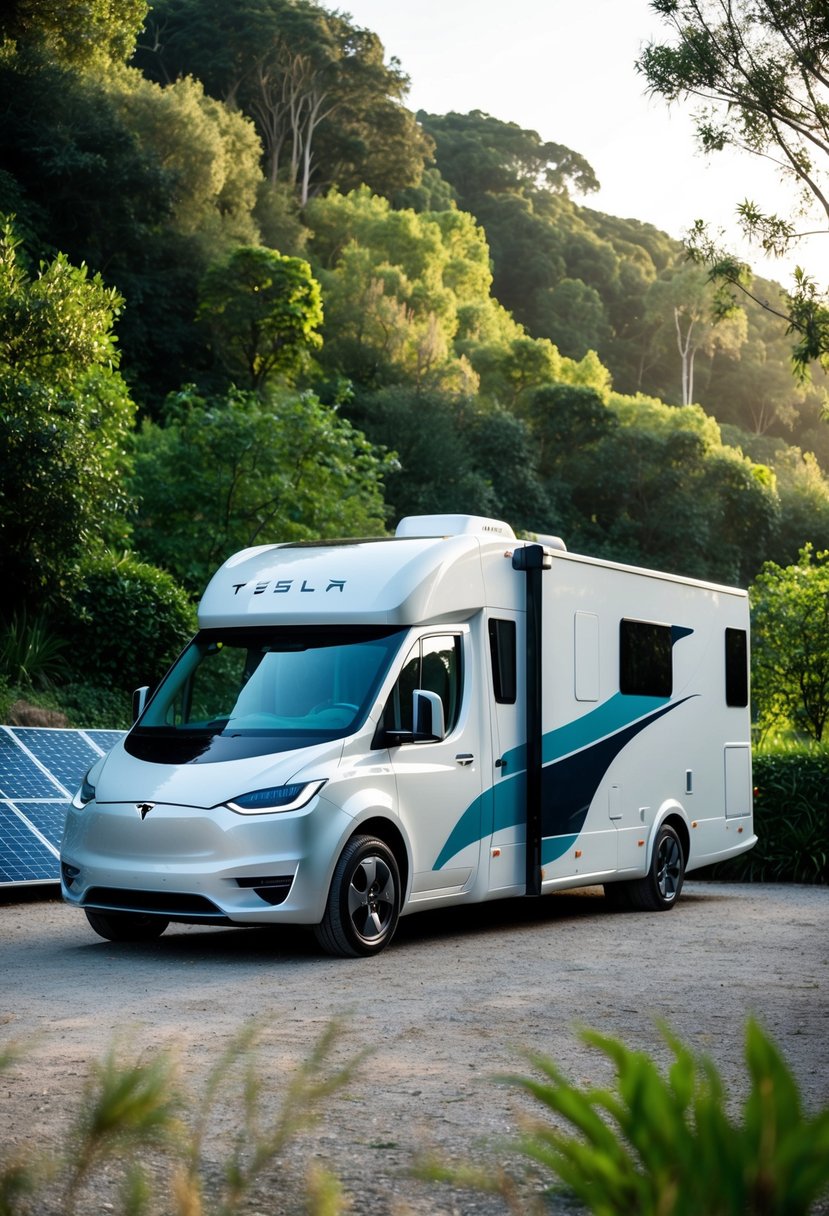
x,y
454,525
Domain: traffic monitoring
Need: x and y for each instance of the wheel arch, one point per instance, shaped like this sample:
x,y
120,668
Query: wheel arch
x,y
386,830
672,816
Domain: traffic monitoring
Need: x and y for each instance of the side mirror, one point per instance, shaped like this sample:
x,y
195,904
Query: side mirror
x,y
139,700
427,713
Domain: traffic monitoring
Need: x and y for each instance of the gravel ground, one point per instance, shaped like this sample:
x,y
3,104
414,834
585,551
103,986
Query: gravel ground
x,y
457,1000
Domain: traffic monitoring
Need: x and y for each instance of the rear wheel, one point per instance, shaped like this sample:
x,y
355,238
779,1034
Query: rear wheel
x,y
126,926
659,889
364,900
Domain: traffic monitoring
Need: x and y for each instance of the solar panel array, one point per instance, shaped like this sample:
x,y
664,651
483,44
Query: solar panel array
x,y
40,769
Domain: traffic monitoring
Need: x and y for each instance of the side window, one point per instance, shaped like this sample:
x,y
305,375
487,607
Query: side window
x,y
433,664
645,659
502,654
736,667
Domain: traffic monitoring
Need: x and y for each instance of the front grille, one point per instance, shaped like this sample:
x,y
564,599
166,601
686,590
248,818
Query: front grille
x,y
273,888
176,905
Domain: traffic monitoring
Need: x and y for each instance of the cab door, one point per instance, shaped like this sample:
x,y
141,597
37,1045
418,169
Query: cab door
x,y
439,781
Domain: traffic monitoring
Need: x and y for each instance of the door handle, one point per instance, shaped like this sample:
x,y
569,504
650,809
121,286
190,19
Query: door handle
x,y
464,758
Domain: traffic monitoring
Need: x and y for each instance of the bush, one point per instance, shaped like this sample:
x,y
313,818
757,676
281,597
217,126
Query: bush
x,y
124,621
31,653
791,819
88,707
668,1145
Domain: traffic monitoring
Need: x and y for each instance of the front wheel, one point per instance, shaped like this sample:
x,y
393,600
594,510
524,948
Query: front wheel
x,y
660,888
364,900
126,926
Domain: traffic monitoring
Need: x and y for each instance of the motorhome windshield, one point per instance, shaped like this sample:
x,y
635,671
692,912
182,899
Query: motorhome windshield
x,y
243,691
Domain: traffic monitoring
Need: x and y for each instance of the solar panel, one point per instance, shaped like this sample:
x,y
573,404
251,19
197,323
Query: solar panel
x,y
40,769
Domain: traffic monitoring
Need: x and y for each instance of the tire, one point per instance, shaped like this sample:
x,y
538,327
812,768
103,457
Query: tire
x,y
126,926
363,902
659,890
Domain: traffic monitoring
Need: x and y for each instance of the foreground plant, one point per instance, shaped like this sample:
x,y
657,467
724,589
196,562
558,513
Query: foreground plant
x,y
136,1123
666,1146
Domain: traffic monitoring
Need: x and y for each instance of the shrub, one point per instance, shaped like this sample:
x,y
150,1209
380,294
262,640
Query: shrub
x,y
124,620
88,707
31,653
667,1146
791,819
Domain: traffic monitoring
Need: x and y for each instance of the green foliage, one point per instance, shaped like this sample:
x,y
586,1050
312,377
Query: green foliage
x,y
125,1107
31,653
791,819
124,621
64,418
139,1128
77,33
790,643
263,311
489,156
453,456
759,68
87,706
221,475
393,283
655,486
666,1144
326,105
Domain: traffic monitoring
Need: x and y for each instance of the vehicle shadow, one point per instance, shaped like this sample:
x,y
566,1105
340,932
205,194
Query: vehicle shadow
x,y
295,943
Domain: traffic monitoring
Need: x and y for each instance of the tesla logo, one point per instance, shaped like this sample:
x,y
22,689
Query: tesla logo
x,y
144,808
283,586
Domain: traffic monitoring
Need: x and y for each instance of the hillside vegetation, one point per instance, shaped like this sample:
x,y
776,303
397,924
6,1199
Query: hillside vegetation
x,y
248,295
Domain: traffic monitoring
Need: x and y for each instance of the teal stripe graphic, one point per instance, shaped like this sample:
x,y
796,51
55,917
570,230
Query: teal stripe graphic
x,y
612,716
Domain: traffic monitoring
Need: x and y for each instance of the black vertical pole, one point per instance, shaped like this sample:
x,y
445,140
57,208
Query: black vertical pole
x,y
533,560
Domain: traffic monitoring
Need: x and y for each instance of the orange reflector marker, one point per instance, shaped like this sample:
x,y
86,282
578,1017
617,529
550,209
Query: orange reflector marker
x,y
739,830
578,852
641,844
496,853
693,823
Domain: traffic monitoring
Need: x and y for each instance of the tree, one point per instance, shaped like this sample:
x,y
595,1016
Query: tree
x,y
145,185
394,282
326,106
75,33
65,415
790,643
659,488
682,304
223,474
485,155
453,455
761,70
263,311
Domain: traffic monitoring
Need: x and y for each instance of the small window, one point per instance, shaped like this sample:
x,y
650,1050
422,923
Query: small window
x,y
645,659
502,653
736,667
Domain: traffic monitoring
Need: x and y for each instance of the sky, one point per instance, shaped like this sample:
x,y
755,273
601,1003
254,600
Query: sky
x,y
565,68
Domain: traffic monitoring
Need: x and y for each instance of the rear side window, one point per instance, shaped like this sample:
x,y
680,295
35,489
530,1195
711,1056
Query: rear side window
x,y
736,667
502,654
645,659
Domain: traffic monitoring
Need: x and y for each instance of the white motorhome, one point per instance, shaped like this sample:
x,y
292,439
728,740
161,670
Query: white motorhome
x,y
361,729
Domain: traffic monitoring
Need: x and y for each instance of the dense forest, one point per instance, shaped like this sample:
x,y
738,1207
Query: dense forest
x,y
248,295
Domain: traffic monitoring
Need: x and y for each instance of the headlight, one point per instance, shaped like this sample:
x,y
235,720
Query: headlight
x,y
85,794
276,798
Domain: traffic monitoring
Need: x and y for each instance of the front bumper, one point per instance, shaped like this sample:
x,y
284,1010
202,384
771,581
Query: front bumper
x,y
195,865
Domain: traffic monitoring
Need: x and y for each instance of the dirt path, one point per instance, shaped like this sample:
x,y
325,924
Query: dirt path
x,y
455,1001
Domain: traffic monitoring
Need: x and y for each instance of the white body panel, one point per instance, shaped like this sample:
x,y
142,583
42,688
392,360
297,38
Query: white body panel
x,y
161,836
